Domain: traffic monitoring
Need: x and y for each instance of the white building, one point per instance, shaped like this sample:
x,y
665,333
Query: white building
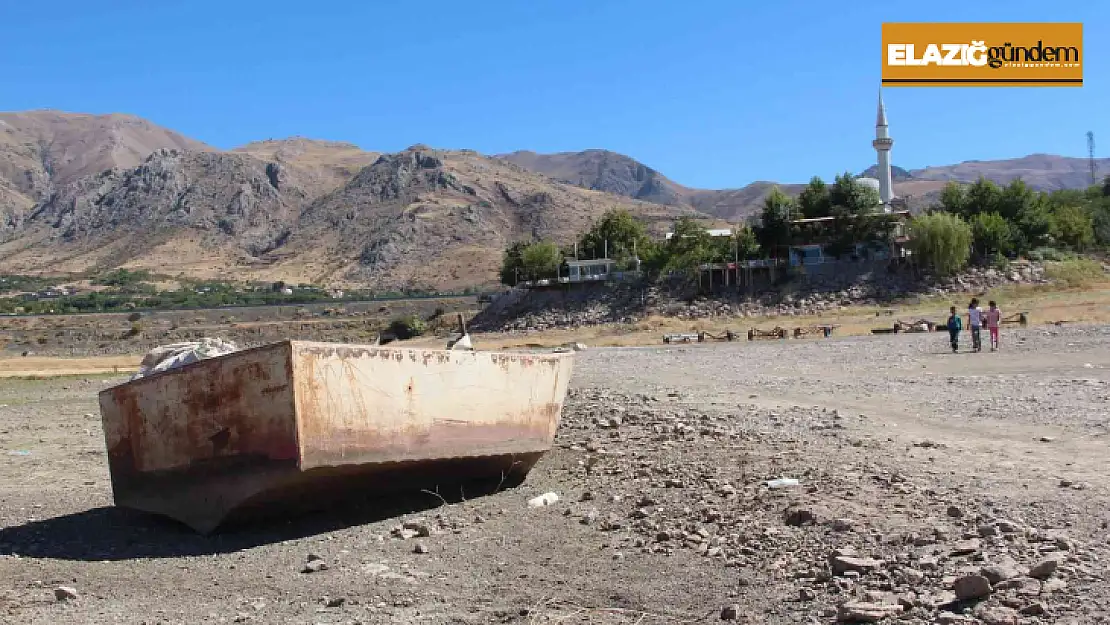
x,y
713,232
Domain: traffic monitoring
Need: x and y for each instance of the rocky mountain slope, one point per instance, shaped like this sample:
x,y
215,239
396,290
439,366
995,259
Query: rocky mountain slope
x,y
324,165
602,170
420,218
41,151
426,217
1045,172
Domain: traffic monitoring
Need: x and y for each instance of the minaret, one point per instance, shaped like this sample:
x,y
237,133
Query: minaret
x,y
882,145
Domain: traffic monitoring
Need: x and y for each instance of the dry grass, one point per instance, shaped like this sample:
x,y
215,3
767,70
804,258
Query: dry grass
x,y
46,366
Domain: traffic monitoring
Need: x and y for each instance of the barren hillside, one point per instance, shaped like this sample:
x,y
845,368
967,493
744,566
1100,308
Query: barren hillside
x,y
420,219
41,151
325,165
602,170
424,217
1046,172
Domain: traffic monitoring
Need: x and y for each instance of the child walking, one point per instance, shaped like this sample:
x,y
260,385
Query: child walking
x,y
955,326
975,320
994,320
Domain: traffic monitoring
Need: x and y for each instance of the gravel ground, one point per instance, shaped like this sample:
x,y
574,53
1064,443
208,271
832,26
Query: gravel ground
x,y
932,488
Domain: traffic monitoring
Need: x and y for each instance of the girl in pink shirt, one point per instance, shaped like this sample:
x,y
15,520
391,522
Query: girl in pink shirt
x,y
994,318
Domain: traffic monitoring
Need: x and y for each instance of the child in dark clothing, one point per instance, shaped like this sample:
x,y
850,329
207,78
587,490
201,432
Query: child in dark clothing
x,y
955,326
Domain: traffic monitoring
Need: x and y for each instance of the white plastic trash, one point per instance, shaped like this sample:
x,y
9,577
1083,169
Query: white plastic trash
x,y
545,499
166,357
782,482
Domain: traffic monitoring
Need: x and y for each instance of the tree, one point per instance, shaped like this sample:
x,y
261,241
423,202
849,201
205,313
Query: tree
x,y
991,235
775,228
512,266
1101,223
620,232
853,206
747,244
982,196
954,199
541,260
814,200
1016,198
1074,226
941,241
1034,224
689,247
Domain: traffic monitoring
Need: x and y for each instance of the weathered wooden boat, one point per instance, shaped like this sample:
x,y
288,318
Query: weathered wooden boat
x,y
292,423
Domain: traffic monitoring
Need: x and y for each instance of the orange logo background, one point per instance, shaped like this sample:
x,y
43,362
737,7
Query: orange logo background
x,y
937,54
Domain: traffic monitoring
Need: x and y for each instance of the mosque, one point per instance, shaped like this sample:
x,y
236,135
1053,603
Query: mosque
x,y
884,184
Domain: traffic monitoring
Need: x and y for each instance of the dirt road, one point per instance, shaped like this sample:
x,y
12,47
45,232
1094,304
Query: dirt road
x,y
932,473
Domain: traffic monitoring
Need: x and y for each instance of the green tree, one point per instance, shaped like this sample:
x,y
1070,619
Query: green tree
x,y
1074,226
942,242
689,247
1015,199
541,260
775,230
747,243
991,235
1101,224
512,265
856,220
814,200
954,199
982,196
620,232
1035,224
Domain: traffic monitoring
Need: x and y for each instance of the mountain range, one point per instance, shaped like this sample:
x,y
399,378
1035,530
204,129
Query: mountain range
x,y
82,192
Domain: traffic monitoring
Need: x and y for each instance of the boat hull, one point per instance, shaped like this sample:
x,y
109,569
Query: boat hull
x,y
296,424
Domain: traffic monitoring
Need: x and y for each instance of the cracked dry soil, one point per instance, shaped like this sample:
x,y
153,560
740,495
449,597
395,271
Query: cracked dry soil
x,y
932,488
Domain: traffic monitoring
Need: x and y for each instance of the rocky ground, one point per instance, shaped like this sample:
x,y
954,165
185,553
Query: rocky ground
x,y
588,305
931,488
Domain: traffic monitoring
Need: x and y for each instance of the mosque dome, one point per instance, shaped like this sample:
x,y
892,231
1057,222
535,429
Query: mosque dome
x,y
869,182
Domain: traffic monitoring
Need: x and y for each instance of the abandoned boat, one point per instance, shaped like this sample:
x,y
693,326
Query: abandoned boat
x,y
295,422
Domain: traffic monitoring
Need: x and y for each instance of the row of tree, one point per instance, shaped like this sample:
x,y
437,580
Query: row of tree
x,y
981,221
984,222
625,240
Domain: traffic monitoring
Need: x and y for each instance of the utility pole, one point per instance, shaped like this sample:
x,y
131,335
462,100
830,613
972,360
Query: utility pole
x,y
1091,157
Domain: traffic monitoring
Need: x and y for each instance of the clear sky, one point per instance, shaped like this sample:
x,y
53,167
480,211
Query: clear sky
x,y
717,93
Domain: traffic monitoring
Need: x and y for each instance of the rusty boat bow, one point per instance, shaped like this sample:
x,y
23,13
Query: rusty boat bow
x,y
299,424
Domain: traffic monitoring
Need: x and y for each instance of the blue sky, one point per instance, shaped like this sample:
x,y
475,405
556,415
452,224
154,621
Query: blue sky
x,y
700,91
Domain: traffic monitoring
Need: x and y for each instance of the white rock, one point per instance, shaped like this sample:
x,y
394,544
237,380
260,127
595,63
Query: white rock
x,y
545,499
65,593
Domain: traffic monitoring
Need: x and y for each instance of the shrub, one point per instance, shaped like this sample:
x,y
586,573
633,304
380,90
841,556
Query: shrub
x,y
407,327
1074,227
942,242
1077,272
1049,254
